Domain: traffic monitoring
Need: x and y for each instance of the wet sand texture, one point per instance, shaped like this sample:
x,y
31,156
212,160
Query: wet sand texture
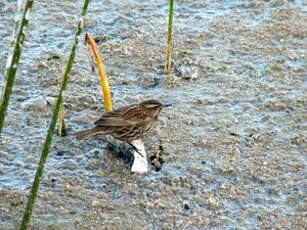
x,y
235,137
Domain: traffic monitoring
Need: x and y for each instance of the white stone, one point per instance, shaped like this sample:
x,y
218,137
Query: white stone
x,y
37,104
140,164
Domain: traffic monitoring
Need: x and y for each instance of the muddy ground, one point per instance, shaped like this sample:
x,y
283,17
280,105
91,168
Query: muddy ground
x,y
235,138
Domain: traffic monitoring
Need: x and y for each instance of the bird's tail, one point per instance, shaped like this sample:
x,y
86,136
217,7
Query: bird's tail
x,y
89,132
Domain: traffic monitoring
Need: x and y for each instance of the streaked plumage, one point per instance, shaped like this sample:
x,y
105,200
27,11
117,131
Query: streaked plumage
x,y
127,123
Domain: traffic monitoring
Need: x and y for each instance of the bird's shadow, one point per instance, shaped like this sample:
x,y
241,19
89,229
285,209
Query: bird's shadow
x,y
122,151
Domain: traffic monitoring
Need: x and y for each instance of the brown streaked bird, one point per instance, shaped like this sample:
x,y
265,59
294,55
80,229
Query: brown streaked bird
x,y
128,123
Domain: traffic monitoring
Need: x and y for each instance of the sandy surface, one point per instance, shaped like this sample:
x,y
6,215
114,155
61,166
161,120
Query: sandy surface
x,y
235,138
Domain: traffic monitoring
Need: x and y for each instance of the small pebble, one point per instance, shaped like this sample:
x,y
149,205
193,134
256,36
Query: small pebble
x,y
149,81
69,164
199,101
37,104
186,206
60,153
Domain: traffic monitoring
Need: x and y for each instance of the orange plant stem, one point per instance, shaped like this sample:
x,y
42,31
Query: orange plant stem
x,y
102,73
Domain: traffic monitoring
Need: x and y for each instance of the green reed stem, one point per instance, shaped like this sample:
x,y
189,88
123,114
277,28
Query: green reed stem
x,y
13,60
18,17
169,51
35,186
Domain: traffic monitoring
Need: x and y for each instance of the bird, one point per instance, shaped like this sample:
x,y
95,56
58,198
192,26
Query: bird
x,y
128,123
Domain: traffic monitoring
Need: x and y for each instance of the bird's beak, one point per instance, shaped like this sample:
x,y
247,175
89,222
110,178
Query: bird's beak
x,y
166,105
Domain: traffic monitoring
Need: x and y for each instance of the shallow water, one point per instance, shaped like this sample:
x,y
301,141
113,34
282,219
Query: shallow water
x,y
235,137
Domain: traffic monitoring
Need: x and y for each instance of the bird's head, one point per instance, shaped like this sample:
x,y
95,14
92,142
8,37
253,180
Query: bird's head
x,y
153,106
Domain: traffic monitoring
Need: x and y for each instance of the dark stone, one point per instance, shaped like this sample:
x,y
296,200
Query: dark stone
x,y
60,153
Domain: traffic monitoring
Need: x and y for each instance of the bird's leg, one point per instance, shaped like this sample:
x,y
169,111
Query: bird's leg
x,y
135,149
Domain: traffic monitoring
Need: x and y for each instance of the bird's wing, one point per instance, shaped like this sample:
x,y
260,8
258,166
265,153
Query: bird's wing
x,y
121,117
112,121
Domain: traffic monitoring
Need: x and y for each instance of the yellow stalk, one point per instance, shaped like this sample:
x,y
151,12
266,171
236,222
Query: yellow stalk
x,y
169,50
102,73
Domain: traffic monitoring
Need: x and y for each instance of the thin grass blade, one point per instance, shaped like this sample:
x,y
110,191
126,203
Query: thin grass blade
x,y
51,130
13,59
169,50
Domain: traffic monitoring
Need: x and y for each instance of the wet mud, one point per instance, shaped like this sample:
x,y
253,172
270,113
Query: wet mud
x,y
234,139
